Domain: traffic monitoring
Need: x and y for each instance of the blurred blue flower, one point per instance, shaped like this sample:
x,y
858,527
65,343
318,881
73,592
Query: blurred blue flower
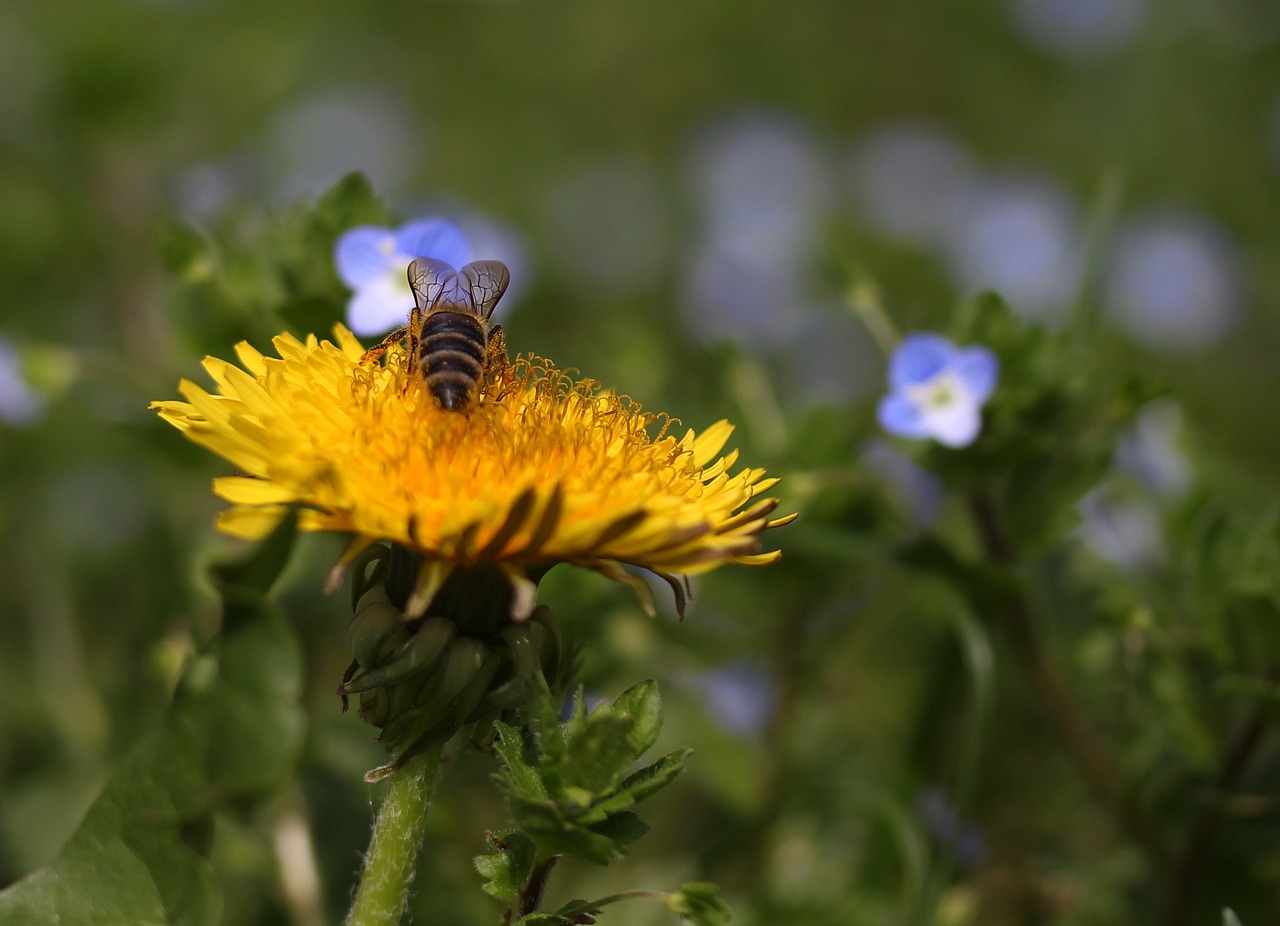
x,y
1175,279
1079,28
910,177
1020,234
373,261
943,824
919,491
1122,530
938,389
740,696
19,403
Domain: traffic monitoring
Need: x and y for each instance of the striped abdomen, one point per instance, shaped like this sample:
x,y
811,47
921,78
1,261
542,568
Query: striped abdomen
x,y
451,357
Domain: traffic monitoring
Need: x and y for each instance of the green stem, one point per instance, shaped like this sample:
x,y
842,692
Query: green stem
x,y
1085,744
397,837
588,905
864,299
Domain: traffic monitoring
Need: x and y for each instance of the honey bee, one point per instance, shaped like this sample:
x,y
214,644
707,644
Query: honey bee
x,y
450,341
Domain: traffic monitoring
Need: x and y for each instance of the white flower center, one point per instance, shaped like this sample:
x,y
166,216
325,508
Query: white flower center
x,y
942,392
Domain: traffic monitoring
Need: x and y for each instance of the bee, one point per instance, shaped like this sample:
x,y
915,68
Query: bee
x,y
450,341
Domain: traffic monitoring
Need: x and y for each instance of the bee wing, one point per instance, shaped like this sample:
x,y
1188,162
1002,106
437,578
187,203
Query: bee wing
x,y
485,281
434,283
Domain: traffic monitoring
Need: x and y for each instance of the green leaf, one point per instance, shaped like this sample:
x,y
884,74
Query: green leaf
x,y
187,252
350,202
518,777
700,903
232,736
599,752
252,575
1229,918
555,835
622,829
546,919
653,778
643,705
564,782
507,868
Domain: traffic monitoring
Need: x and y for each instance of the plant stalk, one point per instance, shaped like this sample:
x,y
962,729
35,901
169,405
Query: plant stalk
x,y
393,852
1084,743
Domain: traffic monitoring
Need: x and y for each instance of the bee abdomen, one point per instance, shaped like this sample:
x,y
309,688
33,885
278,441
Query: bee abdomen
x,y
452,355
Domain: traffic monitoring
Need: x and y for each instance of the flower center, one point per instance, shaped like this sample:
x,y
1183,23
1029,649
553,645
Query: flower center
x,y
937,394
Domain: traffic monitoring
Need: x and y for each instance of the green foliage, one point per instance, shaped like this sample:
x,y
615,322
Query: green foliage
x,y
567,785
506,868
873,695
700,904
230,740
1049,432
238,286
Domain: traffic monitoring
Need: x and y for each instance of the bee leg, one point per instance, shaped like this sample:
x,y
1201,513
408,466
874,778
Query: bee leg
x,y
382,346
413,339
495,356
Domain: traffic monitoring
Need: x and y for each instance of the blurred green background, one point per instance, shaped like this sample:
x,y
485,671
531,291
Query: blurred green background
x,y
683,193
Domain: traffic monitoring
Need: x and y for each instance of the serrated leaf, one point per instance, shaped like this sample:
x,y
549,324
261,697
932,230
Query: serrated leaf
x,y
622,829
232,735
522,779
507,868
643,705
700,903
653,778
546,919
554,835
600,752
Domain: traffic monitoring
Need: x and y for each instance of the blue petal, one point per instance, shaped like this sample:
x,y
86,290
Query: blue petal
x,y
436,238
899,415
918,359
979,370
364,254
379,306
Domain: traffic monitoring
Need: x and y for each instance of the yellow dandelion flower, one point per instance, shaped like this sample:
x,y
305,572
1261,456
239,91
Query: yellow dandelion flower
x,y
542,470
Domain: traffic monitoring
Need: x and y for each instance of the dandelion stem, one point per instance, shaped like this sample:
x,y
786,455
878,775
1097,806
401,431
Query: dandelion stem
x,y
393,851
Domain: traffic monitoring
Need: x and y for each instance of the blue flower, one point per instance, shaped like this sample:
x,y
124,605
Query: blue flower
x,y
937,389
373,262
19,404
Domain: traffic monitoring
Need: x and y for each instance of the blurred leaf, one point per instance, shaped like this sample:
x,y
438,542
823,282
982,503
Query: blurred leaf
x,y
700,903
232,737
186,251
546,919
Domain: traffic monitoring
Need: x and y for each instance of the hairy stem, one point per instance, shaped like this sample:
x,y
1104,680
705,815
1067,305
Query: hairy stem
x,y
531,895
397,837
1086,745
1186,870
